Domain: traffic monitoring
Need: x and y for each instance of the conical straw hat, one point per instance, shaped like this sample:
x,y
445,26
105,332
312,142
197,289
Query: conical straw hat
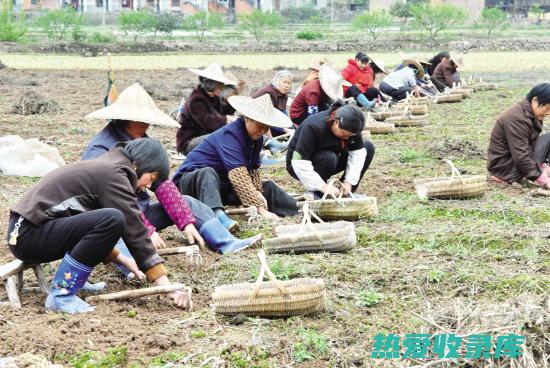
x,y
332,82
260,109
134,104
214,71
458,60
418,66
380,65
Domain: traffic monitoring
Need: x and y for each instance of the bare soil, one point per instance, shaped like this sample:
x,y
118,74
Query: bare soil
x,y
484,250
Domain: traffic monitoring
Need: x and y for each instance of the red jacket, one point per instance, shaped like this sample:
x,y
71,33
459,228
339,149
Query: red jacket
x,y
362,78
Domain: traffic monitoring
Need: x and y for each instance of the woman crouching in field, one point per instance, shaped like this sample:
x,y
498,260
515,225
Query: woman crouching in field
x,y
79,211
130,117
516,149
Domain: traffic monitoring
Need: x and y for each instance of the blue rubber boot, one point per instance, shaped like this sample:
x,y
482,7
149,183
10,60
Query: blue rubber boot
x,y
230,224
69,279
365,102
218,238
96,288
275,146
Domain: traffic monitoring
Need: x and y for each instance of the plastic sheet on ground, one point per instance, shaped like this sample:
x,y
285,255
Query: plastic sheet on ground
x,y
27,157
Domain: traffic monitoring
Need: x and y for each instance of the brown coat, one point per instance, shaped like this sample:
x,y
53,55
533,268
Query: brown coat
x,y
444,72
513,140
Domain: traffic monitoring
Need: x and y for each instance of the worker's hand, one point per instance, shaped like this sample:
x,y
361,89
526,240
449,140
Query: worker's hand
x,y
346,188
130,265
268,215
182,299
157,241
264,200
192,235
331,190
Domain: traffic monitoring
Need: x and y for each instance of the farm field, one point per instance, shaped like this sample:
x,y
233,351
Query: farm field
x,y
437,266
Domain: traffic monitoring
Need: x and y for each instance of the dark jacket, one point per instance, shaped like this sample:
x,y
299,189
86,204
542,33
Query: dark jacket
x,y
444,72
226,149
278,99
314,135
109,181
513,139
202,114
102,143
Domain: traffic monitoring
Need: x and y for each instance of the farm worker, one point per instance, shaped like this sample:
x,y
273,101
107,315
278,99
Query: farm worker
x,y
78,212
446,73
425,83
130,117
205,110
224,168
515,150
400,82
278,90
314,70
328,143
317,95
434,62
361,76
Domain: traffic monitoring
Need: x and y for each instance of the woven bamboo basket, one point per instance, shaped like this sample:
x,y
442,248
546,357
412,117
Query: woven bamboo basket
x,y
338,208
465,92
457,186
483,87
382,115
270,298
380,128
418,109
454,97
366,135
307,237
408,121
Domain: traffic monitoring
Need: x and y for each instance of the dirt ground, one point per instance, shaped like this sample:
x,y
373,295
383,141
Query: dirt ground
x,y
154,328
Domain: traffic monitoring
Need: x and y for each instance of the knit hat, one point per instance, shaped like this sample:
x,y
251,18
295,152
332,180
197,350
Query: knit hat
x,y
351,118
134,104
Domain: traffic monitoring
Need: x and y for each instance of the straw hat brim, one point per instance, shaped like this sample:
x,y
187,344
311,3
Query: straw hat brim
x,y
275,118
332,91
151,116
217,78
420,68
380,67
458,61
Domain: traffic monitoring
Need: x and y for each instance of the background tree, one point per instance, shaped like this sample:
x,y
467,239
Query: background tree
x,y
138,22
492,19
59,23
539,13
258,22
437,18
165,22
373,21
200,23
10,28
401,11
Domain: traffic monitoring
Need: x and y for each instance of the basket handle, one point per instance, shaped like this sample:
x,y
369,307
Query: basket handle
x,y
306,221
331,183
454,170
263,270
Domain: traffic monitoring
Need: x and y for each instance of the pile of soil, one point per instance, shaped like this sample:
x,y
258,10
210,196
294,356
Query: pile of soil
x,y
31,103
452,148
